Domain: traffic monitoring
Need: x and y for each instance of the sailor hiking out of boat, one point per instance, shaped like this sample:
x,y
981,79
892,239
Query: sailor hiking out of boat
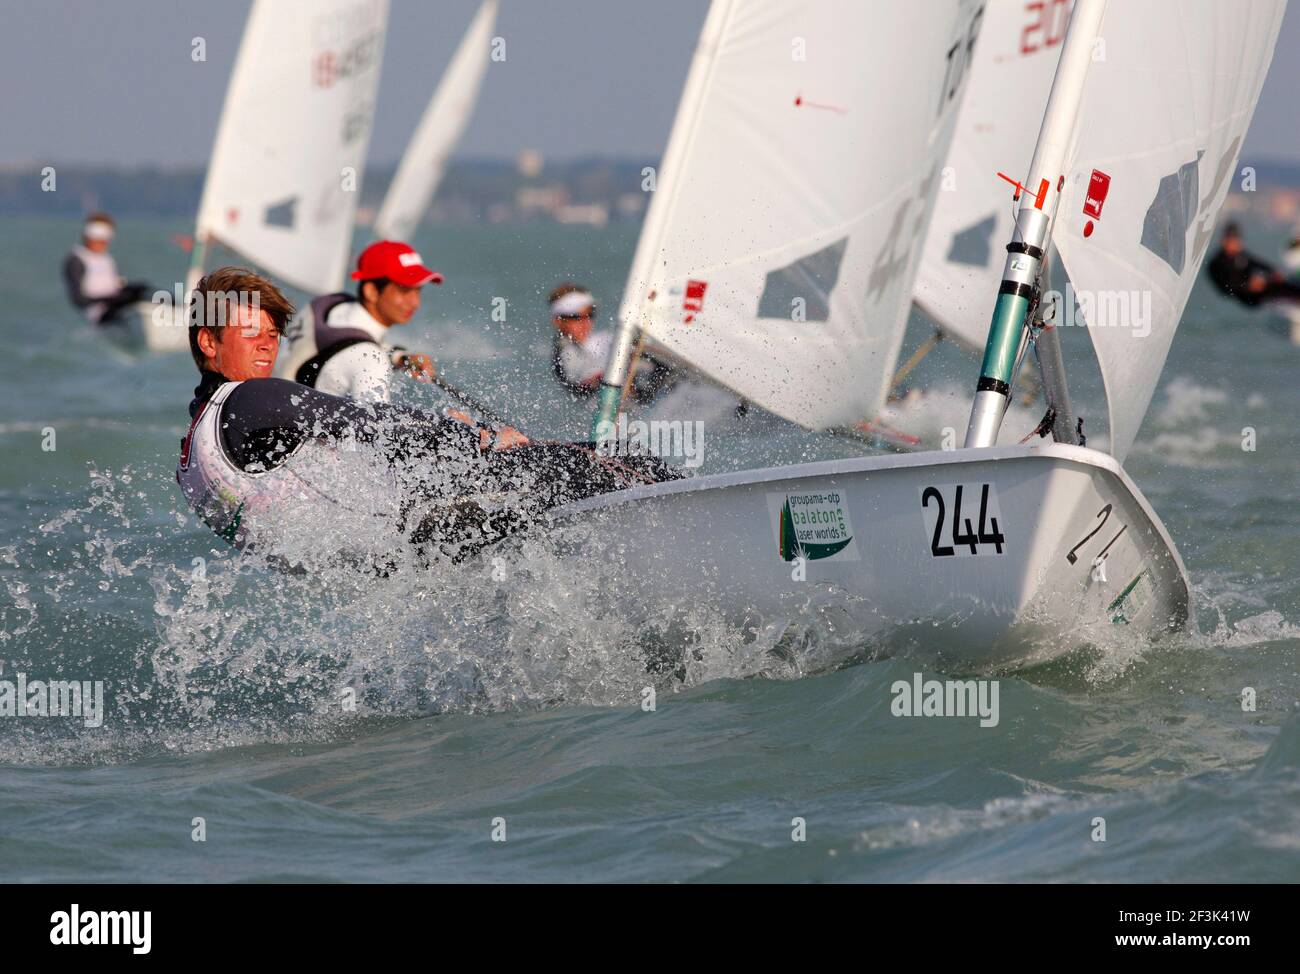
x,y
311,478
579,352
1243,276
91,278
339,343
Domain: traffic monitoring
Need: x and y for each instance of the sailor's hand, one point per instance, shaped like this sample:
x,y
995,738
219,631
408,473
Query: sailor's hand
x,y
1256,283
505,438
417,365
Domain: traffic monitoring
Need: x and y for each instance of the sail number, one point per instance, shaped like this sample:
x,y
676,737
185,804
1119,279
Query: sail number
x,y
962,532
1072,555
1048,27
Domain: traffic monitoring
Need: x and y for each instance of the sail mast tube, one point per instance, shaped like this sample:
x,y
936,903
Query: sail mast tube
x,y
667,183
1038,201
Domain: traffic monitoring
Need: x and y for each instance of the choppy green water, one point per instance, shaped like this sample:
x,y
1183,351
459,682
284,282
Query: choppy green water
x,y
517,699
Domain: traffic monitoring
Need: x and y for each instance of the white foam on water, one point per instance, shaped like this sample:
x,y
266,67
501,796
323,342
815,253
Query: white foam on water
x,y
926,826
1187,401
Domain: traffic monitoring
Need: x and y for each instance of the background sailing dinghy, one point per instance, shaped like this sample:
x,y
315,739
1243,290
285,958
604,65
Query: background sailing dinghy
x,y
986,555
294,130
149,327
285,175
780,211
425,160
961,263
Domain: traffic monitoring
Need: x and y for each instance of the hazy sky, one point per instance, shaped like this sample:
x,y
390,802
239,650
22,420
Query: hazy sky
x,y
111,81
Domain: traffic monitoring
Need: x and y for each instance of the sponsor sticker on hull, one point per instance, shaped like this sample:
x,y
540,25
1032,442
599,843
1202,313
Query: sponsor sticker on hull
x,y
813,525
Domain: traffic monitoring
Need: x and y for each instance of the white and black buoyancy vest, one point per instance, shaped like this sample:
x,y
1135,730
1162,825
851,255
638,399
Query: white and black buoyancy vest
x,y
313,341
99,279
225,496
322,499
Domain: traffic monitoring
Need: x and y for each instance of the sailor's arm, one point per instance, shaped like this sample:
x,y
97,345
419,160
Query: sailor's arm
x,y
74,271
264,420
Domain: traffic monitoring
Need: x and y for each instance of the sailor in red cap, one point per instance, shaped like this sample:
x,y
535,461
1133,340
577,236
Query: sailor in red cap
x,y
339,343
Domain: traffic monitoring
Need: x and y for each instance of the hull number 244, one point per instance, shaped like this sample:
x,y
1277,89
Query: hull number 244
x,y
962,520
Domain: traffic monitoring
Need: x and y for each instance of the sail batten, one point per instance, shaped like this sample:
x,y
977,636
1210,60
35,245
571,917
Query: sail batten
x,y
285,173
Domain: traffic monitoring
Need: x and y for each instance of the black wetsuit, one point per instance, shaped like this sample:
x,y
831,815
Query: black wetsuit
x,y
1232,275
495,492
265,420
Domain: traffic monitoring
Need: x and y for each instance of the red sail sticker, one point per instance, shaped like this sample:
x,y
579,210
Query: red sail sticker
x,y
693,303
1098,187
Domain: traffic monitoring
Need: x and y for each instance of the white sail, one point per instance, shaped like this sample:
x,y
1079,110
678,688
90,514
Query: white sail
x,y
285,173
780,247
1168,99
997,127
425,159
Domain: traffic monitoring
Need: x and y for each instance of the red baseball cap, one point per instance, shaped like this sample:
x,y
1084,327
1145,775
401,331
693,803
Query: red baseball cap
x,y
396,261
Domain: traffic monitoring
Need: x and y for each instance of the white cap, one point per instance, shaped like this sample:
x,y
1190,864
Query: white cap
x,y
97,230
573,303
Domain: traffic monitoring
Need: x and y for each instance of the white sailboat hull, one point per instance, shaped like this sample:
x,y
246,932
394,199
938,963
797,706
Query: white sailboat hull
x,y
1286,321
1083,555
147,327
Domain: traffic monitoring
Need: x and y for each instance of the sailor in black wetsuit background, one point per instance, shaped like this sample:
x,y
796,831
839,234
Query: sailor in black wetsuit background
x,y
1241,275
91,278
241,463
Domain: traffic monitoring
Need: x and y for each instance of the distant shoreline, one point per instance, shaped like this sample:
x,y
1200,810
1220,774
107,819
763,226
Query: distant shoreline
x,y
588,190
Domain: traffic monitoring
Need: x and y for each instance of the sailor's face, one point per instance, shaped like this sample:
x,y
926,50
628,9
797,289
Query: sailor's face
x,y
574,327
247,346
398,304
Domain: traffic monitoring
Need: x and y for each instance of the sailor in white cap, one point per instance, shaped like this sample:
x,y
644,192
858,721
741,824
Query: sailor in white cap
x,y
580,353
91,277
